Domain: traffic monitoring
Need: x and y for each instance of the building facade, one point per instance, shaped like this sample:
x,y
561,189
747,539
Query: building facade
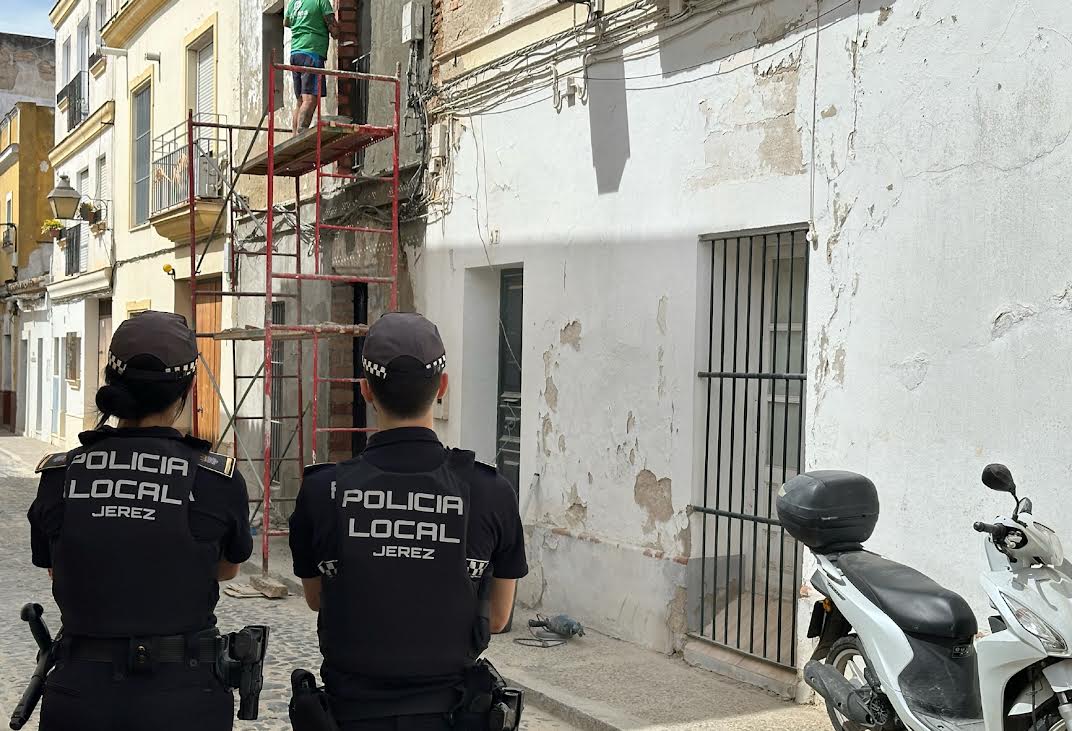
x,y
83,253
25,177
177,66
723,242
26,136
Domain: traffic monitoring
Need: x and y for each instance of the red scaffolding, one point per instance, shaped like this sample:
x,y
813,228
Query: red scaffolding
x,y
328,141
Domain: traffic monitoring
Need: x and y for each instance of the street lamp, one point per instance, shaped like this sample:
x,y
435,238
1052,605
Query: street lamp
x,y
64,200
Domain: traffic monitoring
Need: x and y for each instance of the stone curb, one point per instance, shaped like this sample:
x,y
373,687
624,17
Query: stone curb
x,y
580,712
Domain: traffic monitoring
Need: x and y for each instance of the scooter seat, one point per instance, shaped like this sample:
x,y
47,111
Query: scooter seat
x,y
916,603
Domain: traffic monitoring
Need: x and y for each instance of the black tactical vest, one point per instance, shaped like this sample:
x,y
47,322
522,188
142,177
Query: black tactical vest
x,y
399,602
125,563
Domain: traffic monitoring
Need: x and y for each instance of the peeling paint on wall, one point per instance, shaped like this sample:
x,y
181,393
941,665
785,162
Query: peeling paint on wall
x,y
577,512
761,116
1010,317
677,613
912,371
654,496
571,335
841,214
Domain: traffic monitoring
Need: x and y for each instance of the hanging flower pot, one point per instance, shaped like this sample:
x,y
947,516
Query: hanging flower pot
x,y
51,228
89,212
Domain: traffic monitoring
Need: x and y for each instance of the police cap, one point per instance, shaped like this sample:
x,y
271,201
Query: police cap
x,y
164,346
405,344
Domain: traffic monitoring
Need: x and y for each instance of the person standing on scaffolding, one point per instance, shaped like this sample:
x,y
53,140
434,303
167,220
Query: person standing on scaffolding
x,y
310,23
410,552
136,527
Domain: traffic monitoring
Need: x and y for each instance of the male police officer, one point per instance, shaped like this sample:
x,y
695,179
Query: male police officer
x,y
396,547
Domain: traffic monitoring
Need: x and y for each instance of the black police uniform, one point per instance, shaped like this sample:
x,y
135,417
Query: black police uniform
x,y
133,524
402,537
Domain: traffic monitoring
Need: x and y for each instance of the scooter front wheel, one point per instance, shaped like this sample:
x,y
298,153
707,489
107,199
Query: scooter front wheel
x,y
848,658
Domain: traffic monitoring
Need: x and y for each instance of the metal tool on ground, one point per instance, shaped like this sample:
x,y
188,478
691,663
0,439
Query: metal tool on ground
x,y
31,613
558,630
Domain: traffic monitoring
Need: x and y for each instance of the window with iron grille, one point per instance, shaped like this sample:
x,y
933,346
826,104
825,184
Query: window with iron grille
x,y
753,396
72,250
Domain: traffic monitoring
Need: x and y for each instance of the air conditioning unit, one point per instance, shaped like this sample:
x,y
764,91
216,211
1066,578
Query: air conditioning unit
x,y
209,180
9,237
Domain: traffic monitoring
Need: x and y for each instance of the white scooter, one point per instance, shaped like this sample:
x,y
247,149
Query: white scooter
x,y
901,651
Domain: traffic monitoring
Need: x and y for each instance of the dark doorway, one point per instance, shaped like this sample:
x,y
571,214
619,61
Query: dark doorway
x,y
508,430
360,415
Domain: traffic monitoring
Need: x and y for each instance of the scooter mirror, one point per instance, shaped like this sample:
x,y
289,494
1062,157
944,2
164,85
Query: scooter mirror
x,y
998,477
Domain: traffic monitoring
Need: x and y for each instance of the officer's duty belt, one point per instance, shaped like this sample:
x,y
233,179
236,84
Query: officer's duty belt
x,y
163,649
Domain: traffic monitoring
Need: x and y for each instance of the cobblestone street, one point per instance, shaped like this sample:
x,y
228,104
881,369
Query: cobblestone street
x,y
292,642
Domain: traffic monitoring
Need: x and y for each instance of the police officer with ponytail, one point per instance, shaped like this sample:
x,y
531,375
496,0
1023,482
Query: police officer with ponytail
x,y
136,527
410,553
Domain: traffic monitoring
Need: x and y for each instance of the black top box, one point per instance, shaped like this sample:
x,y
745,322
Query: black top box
x,y
829,511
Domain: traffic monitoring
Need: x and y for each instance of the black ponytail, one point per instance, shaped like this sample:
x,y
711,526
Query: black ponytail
x,y
127,398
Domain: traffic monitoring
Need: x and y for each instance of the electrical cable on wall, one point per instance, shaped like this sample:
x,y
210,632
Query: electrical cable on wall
x,y
470,97
814,121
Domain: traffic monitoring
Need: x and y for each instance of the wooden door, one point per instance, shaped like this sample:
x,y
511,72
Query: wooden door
x,y
209,319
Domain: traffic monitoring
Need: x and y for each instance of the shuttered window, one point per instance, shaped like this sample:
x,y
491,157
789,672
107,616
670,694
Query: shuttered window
x,y
104,186
142,108
203,93
83,245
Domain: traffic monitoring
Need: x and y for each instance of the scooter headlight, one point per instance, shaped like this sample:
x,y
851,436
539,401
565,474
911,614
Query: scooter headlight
x,y
1050,638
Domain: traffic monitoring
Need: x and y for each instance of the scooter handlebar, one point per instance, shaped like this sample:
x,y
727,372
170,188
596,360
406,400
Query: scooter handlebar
x,y
997,532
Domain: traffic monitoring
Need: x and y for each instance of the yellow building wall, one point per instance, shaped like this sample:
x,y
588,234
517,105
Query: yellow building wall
x,y
29,180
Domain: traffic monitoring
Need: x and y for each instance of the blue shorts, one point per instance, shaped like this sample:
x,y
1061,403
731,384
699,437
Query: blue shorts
x,y
308,83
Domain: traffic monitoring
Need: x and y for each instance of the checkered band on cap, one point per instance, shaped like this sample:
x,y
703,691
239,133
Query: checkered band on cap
x,y
438,365
182,370
117,364
373,369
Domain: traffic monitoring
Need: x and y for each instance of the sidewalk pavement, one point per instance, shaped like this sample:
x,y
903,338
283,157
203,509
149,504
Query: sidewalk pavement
x,y
24,449
602,684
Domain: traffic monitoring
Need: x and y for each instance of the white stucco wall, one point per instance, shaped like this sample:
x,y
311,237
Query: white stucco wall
x,y
939,285
942,286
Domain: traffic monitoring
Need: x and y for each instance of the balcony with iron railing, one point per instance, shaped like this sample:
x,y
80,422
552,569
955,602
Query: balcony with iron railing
x,y
169,178
73,100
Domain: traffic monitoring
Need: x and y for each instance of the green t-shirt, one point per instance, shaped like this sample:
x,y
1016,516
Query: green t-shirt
x,y
308,32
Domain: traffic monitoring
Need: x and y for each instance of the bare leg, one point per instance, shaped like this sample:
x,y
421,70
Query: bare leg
x,y
294,117
307,110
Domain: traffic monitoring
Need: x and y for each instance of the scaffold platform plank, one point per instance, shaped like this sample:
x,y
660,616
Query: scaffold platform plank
x,y
294,332
338,138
